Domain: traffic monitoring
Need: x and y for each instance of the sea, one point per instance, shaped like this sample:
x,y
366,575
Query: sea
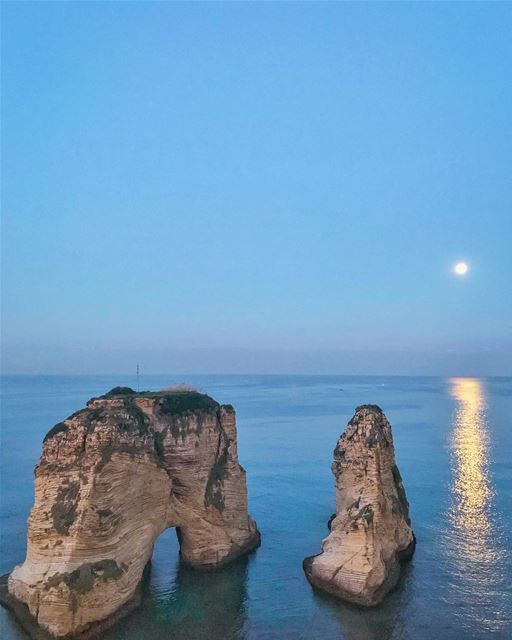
x,y
453,441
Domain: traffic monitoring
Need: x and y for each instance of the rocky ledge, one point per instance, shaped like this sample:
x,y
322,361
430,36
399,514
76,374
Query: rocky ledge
x,y
371,530
111,478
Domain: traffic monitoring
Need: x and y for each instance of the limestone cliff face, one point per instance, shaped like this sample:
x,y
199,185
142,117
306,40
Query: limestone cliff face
x,y
111,478
371,532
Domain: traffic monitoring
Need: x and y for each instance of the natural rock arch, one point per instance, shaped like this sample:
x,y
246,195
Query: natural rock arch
x,y
110,479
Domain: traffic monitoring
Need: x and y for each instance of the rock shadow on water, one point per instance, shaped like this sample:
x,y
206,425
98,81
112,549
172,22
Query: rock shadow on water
x,y
386,621
197,605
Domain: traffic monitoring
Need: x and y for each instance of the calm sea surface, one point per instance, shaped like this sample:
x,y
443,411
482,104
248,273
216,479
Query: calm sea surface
x,y
453,439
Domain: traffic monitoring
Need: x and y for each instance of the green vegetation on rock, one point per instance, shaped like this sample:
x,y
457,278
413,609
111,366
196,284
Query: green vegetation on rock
x,y
171,402
179,402
60,427
174,401
119,391
229,408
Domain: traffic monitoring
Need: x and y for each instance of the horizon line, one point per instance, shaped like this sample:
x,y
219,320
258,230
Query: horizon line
x,y
238,374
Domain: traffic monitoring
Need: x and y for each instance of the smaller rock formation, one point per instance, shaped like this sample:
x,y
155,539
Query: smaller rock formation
x,y
371,531
110,479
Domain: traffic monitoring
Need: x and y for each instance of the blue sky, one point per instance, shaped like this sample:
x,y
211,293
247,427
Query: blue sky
x,y
256,187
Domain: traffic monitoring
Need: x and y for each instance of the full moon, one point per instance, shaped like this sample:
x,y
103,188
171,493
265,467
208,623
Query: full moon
x,y
461,268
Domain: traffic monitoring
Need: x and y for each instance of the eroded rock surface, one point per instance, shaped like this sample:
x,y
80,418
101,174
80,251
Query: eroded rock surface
x,y
371,532
110,479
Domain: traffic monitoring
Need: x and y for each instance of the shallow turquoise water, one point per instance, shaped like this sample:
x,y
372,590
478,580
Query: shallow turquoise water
x,y
454,449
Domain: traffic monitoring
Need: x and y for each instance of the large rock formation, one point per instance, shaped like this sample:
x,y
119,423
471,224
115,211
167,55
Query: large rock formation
x,y
111,478
371,531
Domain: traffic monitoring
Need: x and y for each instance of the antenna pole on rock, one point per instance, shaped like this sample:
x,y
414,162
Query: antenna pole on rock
x,y
138,385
